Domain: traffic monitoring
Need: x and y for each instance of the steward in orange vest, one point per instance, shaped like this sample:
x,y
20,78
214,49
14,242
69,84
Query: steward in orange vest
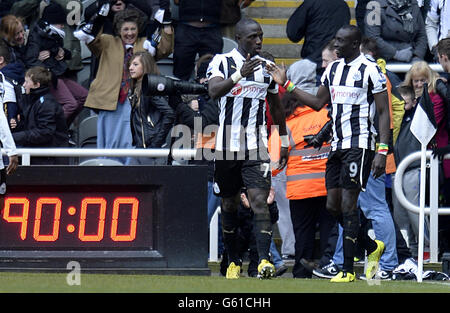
x,y
305,170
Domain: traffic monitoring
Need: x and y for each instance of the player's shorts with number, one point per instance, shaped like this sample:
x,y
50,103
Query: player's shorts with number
x,y
348,168
231,175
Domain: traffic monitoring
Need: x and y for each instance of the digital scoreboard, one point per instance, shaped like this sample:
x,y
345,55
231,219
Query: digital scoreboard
x,y
124,219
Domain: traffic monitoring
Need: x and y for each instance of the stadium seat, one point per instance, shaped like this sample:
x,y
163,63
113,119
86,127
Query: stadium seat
x,y
87,132
100,162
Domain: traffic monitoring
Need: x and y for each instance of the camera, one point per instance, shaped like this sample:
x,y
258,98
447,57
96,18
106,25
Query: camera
x,y
158,85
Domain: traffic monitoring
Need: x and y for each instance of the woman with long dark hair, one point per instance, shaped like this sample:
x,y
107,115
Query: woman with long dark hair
x,y
151,116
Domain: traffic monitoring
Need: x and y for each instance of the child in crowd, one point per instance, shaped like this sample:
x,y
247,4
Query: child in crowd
x,y
43,123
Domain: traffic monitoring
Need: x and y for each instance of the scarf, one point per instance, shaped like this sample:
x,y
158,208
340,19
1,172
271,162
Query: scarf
x,y
54,30
125,84
404,10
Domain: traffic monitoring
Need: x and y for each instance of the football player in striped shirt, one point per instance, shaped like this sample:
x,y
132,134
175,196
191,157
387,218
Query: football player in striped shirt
x,y
355,88
241,84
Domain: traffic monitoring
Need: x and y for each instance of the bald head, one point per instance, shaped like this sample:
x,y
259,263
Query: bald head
x,y
243,26
249,37
347,42
353,33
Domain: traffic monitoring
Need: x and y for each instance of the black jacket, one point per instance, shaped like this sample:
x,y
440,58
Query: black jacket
x,y
151,121
43,125
39,40
317,21
406,142
208,114
200,10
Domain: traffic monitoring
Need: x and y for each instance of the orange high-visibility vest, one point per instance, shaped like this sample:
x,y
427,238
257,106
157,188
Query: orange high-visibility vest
x,y
390,161
305,170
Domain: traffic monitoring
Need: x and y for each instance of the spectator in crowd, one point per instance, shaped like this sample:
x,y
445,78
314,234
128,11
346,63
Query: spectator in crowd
x,y
230,14
401,34
100,15
342,189
12,32
419,74
116,6
443,54
151,116
108,94
45,48
12,75
31,10
437,23
305,187
317,21
406,140
198,31
43,123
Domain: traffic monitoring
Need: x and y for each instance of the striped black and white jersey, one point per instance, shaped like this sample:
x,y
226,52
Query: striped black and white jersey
x,y
242,111
352,87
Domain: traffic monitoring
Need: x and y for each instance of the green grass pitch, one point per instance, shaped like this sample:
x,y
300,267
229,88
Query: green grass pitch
x,y
19,282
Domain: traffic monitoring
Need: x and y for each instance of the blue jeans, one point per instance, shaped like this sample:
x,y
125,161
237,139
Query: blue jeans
x,y
375,208
114,131
276,258
213,203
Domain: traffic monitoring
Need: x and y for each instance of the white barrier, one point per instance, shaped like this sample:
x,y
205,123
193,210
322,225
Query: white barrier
x,y
214,237
404,67
27,153
433,210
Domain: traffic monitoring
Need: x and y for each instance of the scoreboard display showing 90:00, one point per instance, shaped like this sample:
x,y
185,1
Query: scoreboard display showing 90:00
x,y
76,219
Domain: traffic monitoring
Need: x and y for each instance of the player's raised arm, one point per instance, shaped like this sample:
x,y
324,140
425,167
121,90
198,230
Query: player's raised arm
x,y
315,102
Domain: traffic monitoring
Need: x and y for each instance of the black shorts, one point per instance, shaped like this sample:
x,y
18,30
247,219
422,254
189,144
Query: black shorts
x,y
348,168
231,176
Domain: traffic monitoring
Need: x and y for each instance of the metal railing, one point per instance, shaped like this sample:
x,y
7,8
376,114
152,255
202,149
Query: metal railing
x,y
27,153
433,210
404,67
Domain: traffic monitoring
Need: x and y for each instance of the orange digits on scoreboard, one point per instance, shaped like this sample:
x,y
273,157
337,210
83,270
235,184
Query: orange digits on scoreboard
x,y
115,219
95,202
101,220
23,219
56,218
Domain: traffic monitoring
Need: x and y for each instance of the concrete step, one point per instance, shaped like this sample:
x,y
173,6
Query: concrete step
x,y
273,16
